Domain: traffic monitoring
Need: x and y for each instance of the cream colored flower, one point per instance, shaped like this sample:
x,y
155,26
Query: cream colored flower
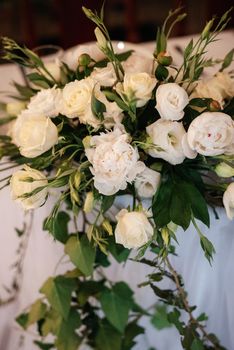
x,y
147,182
133,229
211,134
166,137
14,108
104,76
75,97
114,161
34,134
45,102
171,101
228,201
137,86
224,170
138,63
20,186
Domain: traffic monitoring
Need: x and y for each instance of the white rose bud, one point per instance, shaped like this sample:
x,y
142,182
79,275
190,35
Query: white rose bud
x,y
45,102
114,161
171,101
166,137
34,135
133,229
14,108
211,134
147,182
137,86
224,170
75,97
20,186
228,201
101,40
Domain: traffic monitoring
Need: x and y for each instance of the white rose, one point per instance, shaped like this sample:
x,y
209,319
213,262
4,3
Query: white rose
x,y
224,170
138,63
45,102
218,88
211,133
147,182
34,135
104,76
71,56
19,187
112,116
167,138
228,201
171,100
14,108
133,229
114,161
137,86
75,97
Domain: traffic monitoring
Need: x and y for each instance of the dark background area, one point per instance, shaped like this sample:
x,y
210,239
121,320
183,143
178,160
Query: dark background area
x,y
62,22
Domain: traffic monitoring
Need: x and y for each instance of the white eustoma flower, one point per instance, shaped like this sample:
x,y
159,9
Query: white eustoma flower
x,y
14,108
147,183
114,161
34,134
171,100
166,137
211,134
138,63
228,201
133,229
218,88
20,186
75,97
137,86
104,76
45,102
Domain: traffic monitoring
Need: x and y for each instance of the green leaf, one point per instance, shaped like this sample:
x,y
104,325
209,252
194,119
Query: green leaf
x,y
44,346
72,342
180,210
87,289
197,345
174,317
108,338
24,91
161,72
81,253
52,323
98,108
37,312
208,247
188,49
59,227
200,102
116,304
227,60
202,317
58,291
117,250
132,331
107,202
22,320
161,204
160,320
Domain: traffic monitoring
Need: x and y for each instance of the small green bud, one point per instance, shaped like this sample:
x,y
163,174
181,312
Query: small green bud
x,y
164,59
206,30
165,235
84,60
214,106
107,227
89,201
86,141
224,170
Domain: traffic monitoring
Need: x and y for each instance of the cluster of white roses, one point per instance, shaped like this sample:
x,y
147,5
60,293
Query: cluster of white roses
x,y
114,160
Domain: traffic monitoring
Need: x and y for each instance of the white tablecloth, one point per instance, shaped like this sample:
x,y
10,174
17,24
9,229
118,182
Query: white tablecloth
x,y
211,288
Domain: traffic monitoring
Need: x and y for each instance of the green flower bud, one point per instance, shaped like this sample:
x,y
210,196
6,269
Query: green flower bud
x,y
214,106
101,40
84,60
89,201
164,59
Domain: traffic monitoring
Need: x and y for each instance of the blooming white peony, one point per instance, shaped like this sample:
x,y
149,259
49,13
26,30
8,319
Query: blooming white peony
x,y
34,134
133,229
104,76
114,161
228,201
211,134
171,100
137,86
166,137
19,186
147,182
45,102
75,97
219,87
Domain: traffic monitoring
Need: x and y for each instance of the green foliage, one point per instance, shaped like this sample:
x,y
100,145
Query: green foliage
x,y
108,338
227,60
98,108
81,253
58,226
58,291
159,319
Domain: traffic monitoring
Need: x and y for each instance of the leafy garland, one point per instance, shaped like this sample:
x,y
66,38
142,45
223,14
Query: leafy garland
x,y
83,306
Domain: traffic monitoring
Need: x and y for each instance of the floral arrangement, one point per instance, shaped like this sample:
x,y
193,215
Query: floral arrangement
x,y
102,126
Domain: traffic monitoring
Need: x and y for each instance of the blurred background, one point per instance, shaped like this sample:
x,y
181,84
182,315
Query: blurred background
x,y
62,22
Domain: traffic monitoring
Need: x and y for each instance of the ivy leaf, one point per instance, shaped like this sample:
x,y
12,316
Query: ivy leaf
x,y
67,339
159,319
22,320
58,226
52,323
87,289
108,338
72,342
37,312
81,253
116,304
197,345
58,291
132,331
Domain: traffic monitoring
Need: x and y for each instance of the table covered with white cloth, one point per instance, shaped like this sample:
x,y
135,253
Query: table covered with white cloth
x,y
211,288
